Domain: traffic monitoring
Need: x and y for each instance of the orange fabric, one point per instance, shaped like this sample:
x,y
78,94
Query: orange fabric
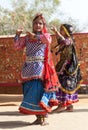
x,y
53,102
67,103
43,106
27,111
50,78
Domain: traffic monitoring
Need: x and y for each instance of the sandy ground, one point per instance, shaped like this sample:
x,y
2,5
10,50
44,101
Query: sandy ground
x,y
10,118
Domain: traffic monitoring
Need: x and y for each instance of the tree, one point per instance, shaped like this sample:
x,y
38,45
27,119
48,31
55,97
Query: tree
x,y
22,14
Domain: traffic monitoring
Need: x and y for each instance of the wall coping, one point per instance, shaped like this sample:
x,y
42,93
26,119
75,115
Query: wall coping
x,y
10,36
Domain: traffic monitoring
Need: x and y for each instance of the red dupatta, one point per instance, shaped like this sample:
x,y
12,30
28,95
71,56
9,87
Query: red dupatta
x,y
50,79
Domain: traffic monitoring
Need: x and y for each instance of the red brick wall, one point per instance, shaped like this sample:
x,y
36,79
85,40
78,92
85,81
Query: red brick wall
x,y
82,51
11,61
81,40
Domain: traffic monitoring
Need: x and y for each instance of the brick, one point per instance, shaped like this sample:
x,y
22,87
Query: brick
x,y
11,61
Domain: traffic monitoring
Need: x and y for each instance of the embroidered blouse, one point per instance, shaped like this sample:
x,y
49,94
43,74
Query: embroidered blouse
x,y
38,62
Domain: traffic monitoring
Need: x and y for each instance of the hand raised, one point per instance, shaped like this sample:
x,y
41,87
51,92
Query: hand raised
x,y
32,35
19,31
53,28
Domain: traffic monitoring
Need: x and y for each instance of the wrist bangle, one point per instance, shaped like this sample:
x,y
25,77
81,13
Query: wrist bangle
x,y
16,37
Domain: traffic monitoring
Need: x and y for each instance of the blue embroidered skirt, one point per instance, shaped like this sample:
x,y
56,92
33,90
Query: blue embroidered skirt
x,y
35,100
33,91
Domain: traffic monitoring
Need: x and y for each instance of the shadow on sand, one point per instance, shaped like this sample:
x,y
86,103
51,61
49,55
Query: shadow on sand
x,y
11,113
13,124
83,96
64,111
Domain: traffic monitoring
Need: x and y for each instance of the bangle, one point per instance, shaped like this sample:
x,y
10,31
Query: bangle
x,y
16,37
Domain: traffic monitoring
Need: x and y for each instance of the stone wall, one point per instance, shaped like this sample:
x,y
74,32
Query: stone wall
x,y
11,62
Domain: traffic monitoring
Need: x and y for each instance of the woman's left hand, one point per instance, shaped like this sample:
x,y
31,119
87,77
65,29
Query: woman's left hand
x,y
32,35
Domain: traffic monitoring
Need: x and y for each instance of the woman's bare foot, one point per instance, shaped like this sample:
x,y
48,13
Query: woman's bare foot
x,y
69,108
58,109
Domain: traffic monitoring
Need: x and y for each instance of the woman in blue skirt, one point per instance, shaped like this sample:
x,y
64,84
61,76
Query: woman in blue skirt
x,y
39,78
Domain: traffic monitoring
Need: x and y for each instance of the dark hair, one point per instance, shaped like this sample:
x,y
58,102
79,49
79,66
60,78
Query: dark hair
x,y
69,28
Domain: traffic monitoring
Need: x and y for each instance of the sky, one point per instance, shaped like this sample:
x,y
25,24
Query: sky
x,y
76,9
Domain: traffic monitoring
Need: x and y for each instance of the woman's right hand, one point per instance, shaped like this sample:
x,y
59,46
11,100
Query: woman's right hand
x,y
19,31
53,28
